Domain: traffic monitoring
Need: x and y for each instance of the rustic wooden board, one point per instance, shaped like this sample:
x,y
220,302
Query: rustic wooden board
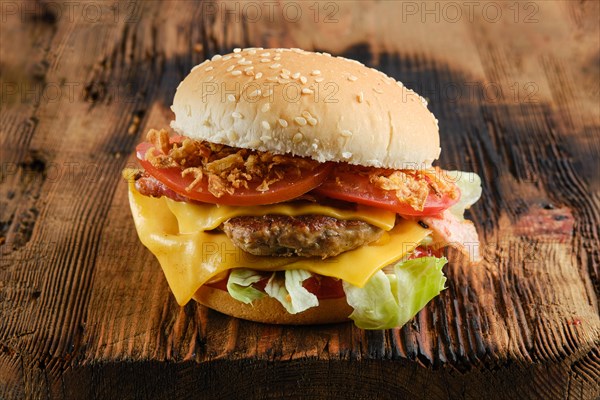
x,y
85,311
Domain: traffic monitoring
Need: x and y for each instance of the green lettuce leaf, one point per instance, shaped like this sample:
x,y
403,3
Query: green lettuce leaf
x,y
239,285
288,290
391,300
469,184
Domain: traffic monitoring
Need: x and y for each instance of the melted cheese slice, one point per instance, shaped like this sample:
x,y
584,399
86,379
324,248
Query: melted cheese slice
x,y
204,217
190,255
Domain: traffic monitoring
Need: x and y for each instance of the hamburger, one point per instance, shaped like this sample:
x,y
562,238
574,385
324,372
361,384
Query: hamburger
x,y
298,188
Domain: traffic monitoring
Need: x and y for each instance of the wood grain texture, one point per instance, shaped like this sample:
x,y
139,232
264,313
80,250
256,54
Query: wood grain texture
x,y
85,311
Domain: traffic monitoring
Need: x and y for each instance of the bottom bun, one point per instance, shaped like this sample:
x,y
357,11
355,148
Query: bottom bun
x,y
270,311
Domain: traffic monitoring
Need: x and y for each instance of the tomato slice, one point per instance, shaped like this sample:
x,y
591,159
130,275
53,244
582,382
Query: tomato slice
x,y
324,287
422,251
287,188
343,184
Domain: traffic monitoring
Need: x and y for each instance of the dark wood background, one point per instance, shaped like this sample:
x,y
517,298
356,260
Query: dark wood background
x,y
85,311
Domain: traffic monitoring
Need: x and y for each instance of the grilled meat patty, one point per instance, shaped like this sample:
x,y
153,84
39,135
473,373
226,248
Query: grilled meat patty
x,y
305,236
280,235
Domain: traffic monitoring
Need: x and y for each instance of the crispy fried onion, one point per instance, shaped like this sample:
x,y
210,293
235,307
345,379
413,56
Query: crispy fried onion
x,y
225,168
414,186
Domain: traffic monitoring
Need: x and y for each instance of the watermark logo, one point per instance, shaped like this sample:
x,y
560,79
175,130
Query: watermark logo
x,y
72,11
489,92
64,91
271,11
252,92
469,11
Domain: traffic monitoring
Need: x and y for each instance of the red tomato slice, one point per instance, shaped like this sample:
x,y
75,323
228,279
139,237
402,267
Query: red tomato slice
x,y
286,189
422,251
324,287
354,187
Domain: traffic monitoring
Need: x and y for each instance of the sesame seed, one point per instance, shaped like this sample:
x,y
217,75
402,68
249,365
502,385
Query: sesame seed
x,y
231,98
257,92
319,79
236,114
285,71
352,78
303,80
227,57
346,133
252,52
300,121
237,50
241,60
275,66
209,78
266,125
316,72
249,72
282,122
307,91
296,75
265,54
298,137
284,75
272,79
306,114
360,97
216,57
265,107
376,90
245,62
346,154
312,121
276,58
248,69
278,50
236,73
230,68
265,60
209,68
258,76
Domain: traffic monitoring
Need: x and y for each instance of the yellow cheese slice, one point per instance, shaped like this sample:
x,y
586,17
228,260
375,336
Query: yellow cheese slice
x,y
204,217
191,259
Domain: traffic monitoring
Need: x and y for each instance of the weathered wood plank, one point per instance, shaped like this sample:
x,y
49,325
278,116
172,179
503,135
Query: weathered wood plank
x,y
85,311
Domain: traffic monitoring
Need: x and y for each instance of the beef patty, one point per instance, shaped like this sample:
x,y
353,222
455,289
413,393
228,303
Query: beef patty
x,y
305,236
279,235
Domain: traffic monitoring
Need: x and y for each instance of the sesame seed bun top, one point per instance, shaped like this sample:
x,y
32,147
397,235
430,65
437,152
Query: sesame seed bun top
x,y
307,104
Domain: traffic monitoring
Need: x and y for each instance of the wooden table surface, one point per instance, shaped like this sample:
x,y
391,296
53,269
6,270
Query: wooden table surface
x,y
85,311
